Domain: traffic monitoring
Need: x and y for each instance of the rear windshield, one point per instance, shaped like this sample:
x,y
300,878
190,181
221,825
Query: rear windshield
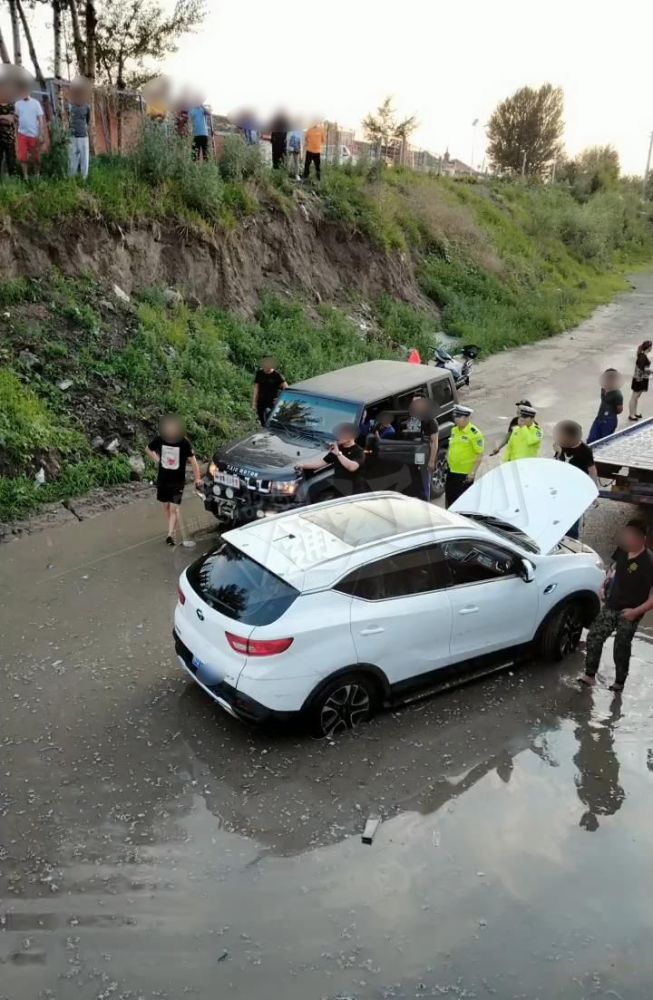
x,y
240,588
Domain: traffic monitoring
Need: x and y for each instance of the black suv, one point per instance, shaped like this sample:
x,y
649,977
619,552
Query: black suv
x,y
257,474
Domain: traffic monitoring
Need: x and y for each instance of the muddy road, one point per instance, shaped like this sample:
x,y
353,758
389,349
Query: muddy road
x,y
152,847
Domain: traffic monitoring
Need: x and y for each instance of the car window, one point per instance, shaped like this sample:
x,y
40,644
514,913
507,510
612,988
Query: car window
x,y
415,572
239,587
469,561
441,392
403,402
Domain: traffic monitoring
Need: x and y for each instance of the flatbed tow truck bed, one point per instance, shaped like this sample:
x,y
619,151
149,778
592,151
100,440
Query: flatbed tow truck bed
x,y
626,459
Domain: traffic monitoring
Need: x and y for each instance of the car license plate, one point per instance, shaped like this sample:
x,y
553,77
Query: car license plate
x,y
197,664
226,479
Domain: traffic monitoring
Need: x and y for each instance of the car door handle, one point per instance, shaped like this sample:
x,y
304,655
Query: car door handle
x,y
373,630
468,611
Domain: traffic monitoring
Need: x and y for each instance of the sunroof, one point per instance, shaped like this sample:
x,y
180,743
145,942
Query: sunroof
x,y
373,520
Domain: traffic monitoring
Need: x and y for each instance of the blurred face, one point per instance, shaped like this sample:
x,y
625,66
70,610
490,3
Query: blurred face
x,y
267,364
418,408
461,421
345,434
632,540
171,429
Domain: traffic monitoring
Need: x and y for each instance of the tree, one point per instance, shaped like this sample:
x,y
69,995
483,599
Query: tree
x,y
131,32
30,44
15,33
385,131
594,169
524,131
4,51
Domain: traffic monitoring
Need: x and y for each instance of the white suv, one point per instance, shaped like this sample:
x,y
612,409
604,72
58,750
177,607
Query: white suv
x,y
330,612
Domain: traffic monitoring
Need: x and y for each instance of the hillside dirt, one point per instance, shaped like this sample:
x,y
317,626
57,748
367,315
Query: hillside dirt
x,y
300,252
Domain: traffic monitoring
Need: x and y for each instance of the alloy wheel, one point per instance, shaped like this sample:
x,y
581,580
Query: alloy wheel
x,y
571,629
345,708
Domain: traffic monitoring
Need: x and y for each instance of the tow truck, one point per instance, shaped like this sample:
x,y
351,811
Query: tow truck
x,y
625,459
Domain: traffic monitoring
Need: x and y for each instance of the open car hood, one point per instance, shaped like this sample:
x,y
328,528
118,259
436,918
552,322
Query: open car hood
x,y
540,496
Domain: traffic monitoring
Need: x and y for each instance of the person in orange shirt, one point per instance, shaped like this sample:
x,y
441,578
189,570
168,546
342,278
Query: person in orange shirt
x,y
313,142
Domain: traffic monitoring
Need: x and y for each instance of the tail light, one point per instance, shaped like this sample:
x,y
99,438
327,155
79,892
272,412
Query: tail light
x,y
257,647
181,595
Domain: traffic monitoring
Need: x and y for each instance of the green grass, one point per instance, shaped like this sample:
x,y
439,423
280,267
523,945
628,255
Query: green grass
x,y
20,496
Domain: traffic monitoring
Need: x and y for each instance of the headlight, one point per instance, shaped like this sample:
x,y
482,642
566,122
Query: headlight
x,y
212,469
286,488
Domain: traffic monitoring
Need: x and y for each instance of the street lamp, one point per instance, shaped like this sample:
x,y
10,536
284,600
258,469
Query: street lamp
x,y
474,126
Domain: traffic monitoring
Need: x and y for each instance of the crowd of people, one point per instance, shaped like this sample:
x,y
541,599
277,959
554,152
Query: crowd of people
x,y
24,133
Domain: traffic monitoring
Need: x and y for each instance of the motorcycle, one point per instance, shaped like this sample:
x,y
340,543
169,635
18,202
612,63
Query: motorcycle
x,y
459,365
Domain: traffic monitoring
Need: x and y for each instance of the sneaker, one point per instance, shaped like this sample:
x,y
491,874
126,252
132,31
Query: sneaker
x,y
617,688
587,680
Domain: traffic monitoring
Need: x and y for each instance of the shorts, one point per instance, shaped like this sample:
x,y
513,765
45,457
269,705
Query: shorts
x,y
639,385
169,492
28,148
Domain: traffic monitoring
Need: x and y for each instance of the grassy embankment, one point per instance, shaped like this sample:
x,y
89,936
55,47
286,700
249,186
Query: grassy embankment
x,y
506,264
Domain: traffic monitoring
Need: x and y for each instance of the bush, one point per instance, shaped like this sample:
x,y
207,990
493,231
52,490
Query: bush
x,y
240,160
54,162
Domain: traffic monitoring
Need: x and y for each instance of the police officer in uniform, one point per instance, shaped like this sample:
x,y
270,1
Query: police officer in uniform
x,y
526,438
466,448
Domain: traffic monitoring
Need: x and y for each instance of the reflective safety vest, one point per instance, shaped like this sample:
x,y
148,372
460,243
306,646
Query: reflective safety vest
x,y
524,442
465,445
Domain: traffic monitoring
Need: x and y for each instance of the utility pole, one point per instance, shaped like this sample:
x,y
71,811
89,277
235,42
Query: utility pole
x,y
474,124
648,166
553,172
523,164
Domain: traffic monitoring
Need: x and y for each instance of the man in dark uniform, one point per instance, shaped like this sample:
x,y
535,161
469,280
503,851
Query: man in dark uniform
x,y
628,593
464,455
346,458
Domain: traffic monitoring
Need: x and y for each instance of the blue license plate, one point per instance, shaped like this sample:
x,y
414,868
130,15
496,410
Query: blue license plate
x,y
197,664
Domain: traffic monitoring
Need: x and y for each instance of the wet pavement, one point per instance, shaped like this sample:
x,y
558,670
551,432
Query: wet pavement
x,y
152,847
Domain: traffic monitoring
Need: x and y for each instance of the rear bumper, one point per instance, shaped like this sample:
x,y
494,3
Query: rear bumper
x,y
238,705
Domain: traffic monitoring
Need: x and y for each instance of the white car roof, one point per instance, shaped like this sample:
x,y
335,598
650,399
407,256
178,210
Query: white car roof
x,y
315,546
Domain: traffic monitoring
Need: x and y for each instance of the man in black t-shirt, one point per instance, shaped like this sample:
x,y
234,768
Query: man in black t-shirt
x,y
268,382
346,458
628,594
421,425
171,451
569,447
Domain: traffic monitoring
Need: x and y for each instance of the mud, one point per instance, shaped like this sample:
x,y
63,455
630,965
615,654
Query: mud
x,y
150,846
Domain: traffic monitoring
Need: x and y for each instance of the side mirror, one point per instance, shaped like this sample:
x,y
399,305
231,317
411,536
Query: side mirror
x,y
527,571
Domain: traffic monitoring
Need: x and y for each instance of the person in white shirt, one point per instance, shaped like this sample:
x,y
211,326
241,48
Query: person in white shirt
x,y
31,133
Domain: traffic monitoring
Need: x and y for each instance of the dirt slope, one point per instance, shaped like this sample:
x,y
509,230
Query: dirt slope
x,y
316,260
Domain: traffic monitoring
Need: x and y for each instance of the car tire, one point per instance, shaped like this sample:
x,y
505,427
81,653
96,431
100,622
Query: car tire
x,y
439,477
346,702
561,633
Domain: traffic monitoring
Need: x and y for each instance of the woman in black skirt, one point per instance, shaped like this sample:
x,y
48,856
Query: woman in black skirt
x,y
641,376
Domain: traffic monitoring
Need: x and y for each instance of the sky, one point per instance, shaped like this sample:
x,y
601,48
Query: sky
x,y
446,63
